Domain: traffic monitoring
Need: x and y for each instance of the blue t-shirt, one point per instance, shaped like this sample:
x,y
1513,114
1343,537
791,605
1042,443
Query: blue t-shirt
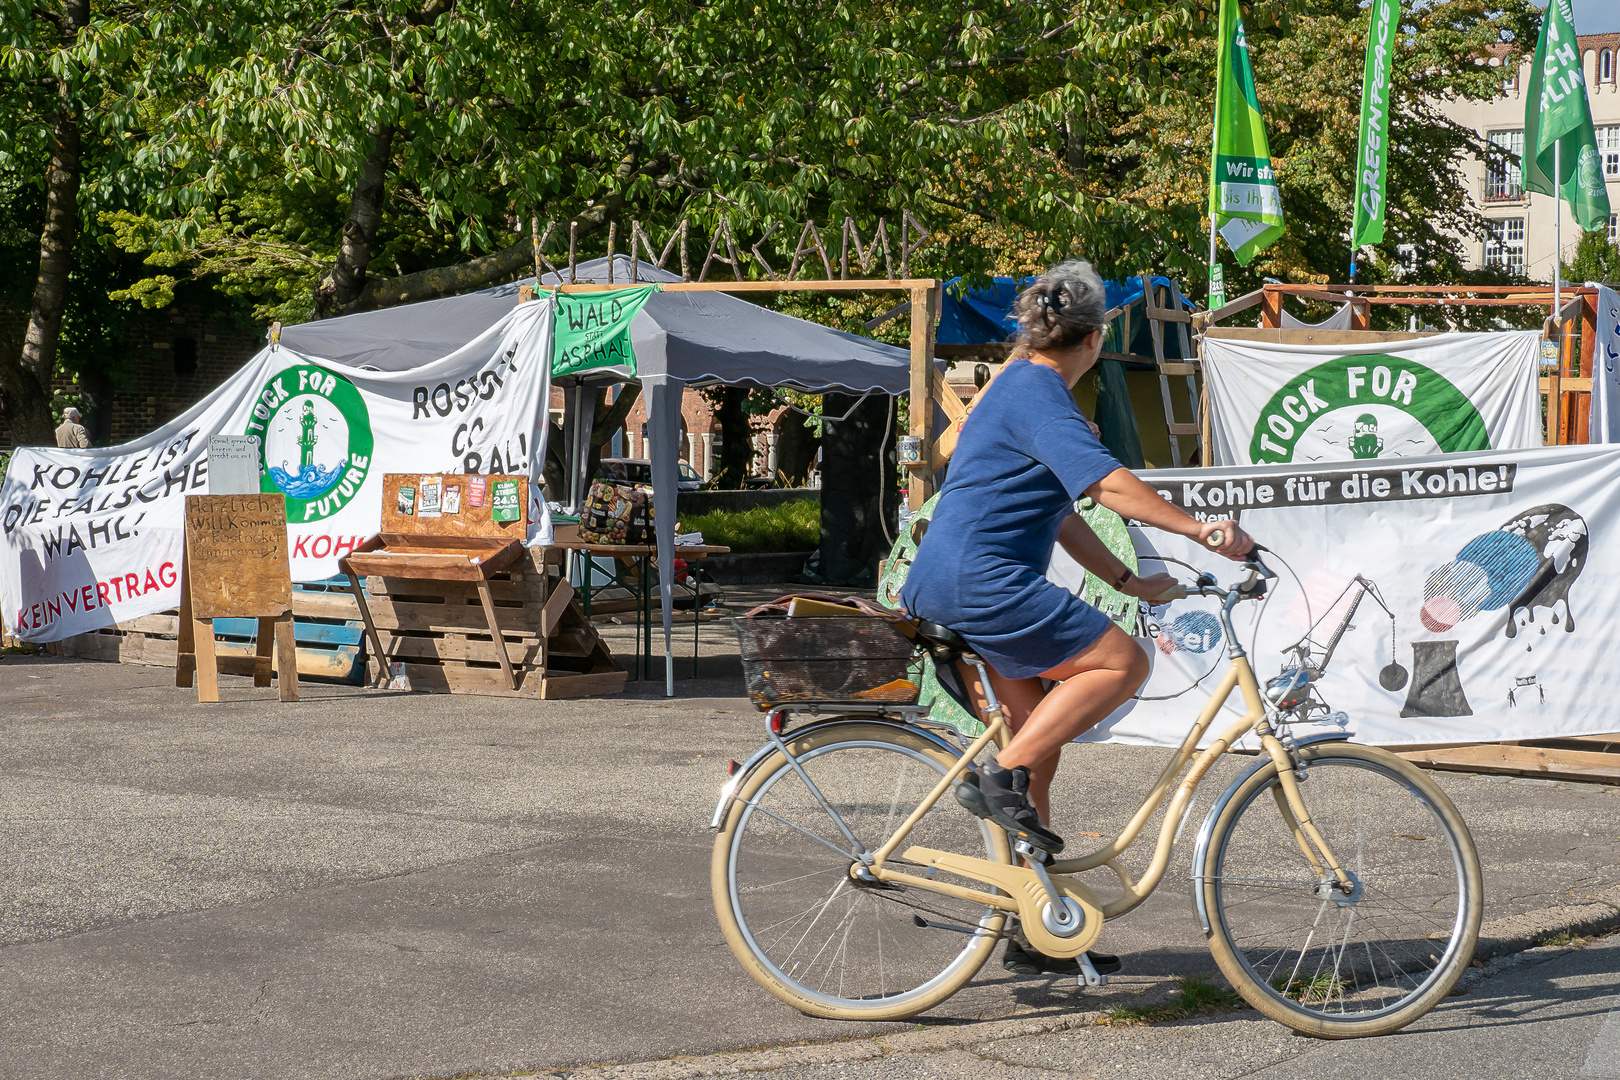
x,y
1025,455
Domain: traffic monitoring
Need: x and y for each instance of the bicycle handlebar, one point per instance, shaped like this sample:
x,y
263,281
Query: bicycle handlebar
x,y
1206,584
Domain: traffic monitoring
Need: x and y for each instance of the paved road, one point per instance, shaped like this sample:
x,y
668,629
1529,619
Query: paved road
x,y
373,885
1549,1015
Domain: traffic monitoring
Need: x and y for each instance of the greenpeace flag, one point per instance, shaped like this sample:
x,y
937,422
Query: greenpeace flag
x,y
1244,204
1372,162
1271,403
1498,571
1557,115
93,537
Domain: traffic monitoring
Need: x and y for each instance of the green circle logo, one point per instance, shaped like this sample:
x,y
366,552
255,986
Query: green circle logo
x,y
1368,380
315,441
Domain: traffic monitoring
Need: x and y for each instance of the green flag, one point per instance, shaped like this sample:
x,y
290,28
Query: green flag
x,y
593,330
1372,163
1243,200
1556,112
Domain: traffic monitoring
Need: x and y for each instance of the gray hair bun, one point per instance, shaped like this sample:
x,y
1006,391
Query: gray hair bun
x,y
1062,306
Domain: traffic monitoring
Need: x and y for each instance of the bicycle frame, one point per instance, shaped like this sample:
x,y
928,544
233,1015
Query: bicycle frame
x,y
1239,677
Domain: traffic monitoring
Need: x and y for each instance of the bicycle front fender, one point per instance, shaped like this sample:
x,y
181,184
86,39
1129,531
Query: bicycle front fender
x,y
1201,845
728,791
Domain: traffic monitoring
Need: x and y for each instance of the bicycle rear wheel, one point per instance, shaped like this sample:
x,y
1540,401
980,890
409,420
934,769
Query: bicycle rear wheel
x,y
808,932
1304,953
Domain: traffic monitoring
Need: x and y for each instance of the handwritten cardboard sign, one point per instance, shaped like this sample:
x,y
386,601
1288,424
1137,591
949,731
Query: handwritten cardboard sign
x,y
236,554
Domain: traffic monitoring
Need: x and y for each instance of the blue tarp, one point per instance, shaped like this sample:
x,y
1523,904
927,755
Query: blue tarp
x,y
974,316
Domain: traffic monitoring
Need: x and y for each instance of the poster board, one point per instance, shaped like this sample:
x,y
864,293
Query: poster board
x,y
236,567
453,504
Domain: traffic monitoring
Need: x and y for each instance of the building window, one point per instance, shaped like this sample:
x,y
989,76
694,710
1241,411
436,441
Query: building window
x,y
1606,66
1406,258
1502,179
1614,228
1505,248
1608,141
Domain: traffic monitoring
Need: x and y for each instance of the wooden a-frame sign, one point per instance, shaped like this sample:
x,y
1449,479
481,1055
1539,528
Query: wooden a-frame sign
x,y
236,567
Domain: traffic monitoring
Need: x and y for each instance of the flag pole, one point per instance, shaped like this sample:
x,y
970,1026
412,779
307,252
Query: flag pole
x,y
1558,229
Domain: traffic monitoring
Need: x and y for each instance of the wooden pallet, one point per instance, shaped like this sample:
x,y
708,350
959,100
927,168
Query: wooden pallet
x,y
325,625
1589,759
436,632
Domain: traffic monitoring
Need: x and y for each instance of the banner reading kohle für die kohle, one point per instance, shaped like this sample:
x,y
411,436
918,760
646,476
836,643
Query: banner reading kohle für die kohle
x,y
93,537
1271,403
1498,570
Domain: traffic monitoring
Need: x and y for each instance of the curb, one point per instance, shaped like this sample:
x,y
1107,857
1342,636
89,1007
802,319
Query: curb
x,y
1501,942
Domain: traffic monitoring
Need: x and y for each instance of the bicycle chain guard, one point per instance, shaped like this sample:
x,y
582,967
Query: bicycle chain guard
x,y
1020,883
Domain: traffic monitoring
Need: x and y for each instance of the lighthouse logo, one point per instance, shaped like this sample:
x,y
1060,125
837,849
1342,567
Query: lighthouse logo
x,y
315,440
1375,404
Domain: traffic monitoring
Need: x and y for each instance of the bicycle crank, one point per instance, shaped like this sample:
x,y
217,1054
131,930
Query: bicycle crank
x,y
1066,930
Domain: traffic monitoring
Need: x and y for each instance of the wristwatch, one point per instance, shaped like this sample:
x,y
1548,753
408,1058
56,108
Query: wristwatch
x,y
1124,578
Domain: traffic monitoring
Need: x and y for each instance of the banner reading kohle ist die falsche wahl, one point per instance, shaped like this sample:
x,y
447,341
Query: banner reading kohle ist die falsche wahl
x,y
1271,403
93,537
1498,571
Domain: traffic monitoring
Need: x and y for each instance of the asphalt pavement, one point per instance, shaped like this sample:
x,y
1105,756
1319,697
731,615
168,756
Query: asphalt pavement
x,y
371,884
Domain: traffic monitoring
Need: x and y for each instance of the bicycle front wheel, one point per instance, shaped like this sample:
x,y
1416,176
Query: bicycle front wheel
x,y
1294,944
802,926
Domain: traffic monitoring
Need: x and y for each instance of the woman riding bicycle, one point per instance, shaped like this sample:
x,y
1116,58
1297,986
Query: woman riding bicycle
x,y
1025,455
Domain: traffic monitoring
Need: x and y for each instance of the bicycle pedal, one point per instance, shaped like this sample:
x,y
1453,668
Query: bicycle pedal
x,y
1089,976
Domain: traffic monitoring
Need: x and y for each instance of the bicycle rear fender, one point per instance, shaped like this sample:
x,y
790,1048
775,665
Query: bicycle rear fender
x,y
728,791
1201,845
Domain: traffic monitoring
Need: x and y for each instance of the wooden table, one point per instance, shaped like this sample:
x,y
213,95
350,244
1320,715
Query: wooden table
x,y
566,536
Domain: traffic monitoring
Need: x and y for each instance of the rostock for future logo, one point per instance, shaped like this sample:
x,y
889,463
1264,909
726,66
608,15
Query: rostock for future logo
x,y
1371,405
315,440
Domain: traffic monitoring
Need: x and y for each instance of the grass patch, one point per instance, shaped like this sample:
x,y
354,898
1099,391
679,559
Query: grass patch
x,y
1195,996
794,526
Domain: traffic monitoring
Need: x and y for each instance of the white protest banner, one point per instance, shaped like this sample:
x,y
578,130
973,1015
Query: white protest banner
x,y
1605,423
1498,570
1271,403
93,537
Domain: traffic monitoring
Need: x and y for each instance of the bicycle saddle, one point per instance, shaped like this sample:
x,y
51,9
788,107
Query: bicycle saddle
x,y
944,644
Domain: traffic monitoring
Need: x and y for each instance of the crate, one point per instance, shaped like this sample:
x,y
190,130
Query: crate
x,y
832,658
436,632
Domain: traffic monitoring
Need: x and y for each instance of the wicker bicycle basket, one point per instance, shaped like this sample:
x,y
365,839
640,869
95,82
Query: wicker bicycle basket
x,y
835,658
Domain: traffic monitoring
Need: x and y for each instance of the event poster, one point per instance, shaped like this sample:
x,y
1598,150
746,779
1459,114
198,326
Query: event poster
x,y
1271,403
93,537
1482,586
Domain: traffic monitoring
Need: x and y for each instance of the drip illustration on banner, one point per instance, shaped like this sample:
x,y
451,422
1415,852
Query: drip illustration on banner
x,y
1526,568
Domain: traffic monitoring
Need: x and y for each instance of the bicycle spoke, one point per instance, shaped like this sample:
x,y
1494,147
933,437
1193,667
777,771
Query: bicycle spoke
x,y
1341,955
848,946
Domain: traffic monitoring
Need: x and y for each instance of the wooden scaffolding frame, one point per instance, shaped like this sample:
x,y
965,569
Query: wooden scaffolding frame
x,y
1566,385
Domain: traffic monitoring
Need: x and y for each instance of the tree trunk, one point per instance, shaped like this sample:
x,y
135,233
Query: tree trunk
x,y
27,383
360,231
489,269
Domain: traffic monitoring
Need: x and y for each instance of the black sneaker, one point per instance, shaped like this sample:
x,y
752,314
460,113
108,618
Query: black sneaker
x,y
1021,959
1002,796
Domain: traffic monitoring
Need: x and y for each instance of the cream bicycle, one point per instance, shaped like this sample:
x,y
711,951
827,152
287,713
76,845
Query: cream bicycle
x,y
1338,887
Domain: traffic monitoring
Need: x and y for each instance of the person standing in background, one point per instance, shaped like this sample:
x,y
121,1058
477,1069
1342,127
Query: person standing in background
x,y
71,434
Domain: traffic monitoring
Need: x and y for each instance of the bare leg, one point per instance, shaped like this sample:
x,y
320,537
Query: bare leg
x,y
1090,686
1018,698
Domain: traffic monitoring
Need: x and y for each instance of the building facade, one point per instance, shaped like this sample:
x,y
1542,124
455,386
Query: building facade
x,y
1523,224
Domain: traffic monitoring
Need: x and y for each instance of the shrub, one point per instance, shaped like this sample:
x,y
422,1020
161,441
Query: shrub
x,y
792,526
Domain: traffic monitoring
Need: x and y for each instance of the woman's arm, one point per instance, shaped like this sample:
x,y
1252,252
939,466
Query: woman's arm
x,y
1126,495
1088,549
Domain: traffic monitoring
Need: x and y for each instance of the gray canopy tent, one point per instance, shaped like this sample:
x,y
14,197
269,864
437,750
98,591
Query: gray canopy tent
x,y
680,339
